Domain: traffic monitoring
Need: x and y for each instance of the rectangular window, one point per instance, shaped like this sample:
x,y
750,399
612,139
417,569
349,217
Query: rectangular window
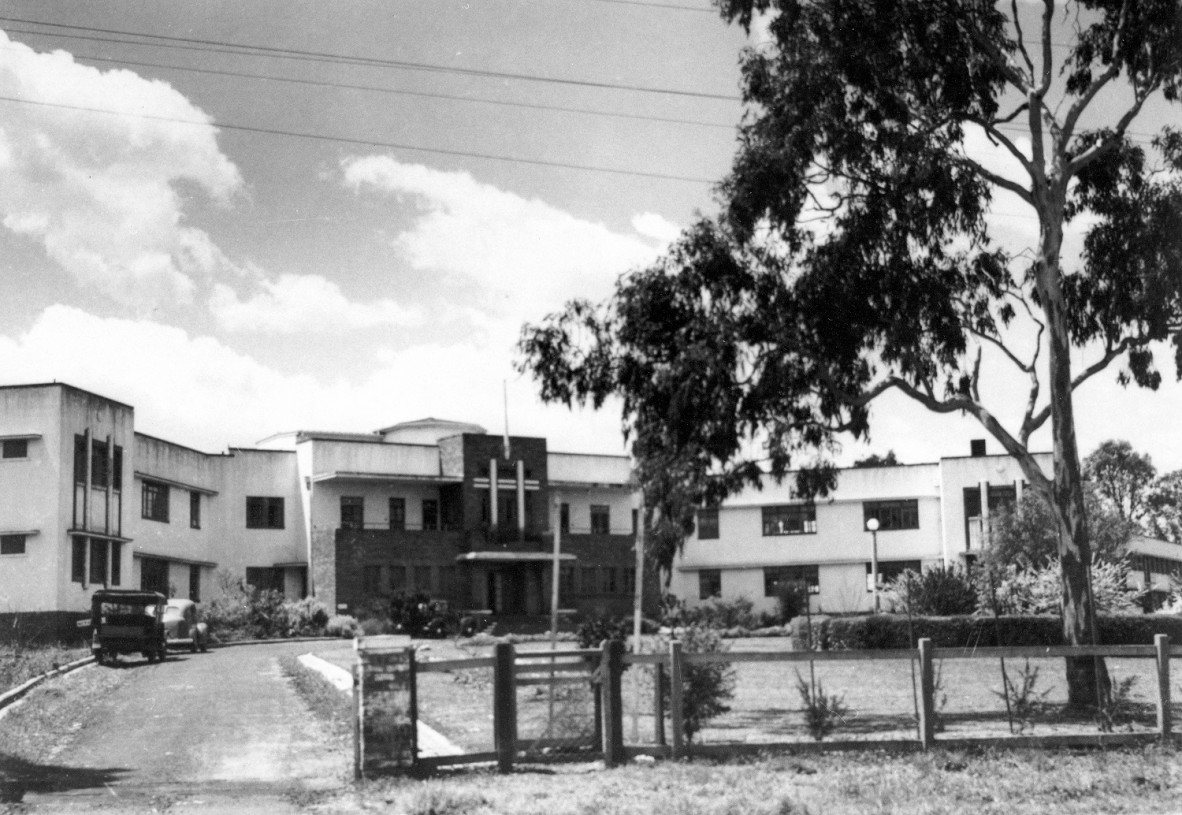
x,y
635,520
371,579
265,578
564,518
352,512
423,579
15,448
194,511
398,513
194,584
608,583
888,570
264,512
78,559
629,587
430,513
398,579
12,544
601,519
790,519
79,459
99,469
709,584
892,514
708,523
98,561
117,474
117,564
774,577
589,582
566,582
155,501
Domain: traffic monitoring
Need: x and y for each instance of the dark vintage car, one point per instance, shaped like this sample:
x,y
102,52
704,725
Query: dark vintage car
x,y
183,626
127,622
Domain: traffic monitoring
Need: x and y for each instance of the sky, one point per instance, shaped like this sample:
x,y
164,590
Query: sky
x,y
249,218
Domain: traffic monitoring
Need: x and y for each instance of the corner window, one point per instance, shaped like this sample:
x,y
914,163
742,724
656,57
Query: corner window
x,y
601,519
892,514
789,519
14,448
352,512
264,512
155,501
776,577
12,544
708,523
709,583
78,560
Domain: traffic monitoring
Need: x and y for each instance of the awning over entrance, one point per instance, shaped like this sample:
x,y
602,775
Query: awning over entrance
x,y
511,557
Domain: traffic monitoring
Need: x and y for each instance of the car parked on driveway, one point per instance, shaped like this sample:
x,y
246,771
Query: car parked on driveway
x,y
127,622
183,626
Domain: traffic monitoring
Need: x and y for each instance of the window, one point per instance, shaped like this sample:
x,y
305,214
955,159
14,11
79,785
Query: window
x,y
117,564
774,577
566,581
263,512
12,544
79,459
629,587
155,501
371,579
265,578
589,580
888,570
564,518
790,519
352,512
423,579
104,470
1145,564
708,523
635,520
194,584
892,514
601,519
430,513
709,584
78,560
608,583
398,513
194,513
398,578
15,448
98,561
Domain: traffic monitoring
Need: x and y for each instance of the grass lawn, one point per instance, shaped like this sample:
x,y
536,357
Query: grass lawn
x,y
1032,782
19,666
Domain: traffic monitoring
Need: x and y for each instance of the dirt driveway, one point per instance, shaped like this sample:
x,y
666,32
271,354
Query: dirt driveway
x,y
218,732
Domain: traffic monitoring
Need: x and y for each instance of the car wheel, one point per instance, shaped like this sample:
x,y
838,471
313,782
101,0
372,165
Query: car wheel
x,y
150,656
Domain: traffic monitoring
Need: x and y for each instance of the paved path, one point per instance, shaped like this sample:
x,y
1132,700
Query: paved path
x,y
217,732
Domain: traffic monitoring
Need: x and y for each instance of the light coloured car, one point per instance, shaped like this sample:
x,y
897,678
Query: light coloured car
x,y
183,626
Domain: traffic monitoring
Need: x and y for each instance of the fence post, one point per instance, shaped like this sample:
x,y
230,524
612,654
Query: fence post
x,y
659,703
1161,642
675,693
504,706
927,708
613,703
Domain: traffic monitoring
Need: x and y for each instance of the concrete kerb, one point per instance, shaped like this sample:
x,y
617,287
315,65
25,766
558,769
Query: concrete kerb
x,y
19,691
277,641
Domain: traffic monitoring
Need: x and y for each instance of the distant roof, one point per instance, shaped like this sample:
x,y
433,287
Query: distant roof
x,y
431,421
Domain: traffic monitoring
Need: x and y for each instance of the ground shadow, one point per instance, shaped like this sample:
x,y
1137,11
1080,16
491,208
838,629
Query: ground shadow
x,y
18,777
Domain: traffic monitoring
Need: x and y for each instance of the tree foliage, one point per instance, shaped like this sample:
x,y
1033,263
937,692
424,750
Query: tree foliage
x,y
1163,508
875,460
1121,476
1029,532
854,254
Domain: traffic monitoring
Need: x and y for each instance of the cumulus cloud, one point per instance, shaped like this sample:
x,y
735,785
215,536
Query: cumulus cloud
x,y
98,190
304,303
517,248
197,391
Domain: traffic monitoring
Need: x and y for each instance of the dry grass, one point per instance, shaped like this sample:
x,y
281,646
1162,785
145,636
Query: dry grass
x,y
1032,782
19,666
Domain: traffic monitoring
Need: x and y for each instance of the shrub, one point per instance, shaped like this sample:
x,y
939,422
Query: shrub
x,y
341,625
791,600
717,613
594,630
822,711
938,591
1020,588
706,688
240,611
306,617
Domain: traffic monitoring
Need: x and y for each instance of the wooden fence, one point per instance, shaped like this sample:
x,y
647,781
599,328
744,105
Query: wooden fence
x,y
604,668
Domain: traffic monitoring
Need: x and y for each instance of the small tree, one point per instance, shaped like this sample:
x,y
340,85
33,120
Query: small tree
x,y
939,591
707,687
1122,478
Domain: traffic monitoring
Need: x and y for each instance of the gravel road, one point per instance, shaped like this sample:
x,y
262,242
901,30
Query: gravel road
x,y
217,732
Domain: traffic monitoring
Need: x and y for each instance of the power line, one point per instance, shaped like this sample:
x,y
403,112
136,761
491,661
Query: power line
x,y
367,142
399,92
225,47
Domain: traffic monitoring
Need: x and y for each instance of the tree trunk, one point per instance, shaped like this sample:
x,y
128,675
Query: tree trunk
x,y
1087,677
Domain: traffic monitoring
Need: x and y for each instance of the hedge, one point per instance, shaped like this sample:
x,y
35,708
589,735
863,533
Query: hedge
x,y
891,631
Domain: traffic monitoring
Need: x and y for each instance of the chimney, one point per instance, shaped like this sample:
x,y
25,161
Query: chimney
x,y
977,448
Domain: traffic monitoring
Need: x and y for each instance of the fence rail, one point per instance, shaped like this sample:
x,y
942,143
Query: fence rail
x,y
601,670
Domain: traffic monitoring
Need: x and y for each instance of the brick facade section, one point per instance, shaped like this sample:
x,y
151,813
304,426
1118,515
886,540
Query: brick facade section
x,y
324,566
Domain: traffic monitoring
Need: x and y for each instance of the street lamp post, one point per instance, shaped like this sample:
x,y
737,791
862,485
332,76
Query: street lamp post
x,y
872,525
